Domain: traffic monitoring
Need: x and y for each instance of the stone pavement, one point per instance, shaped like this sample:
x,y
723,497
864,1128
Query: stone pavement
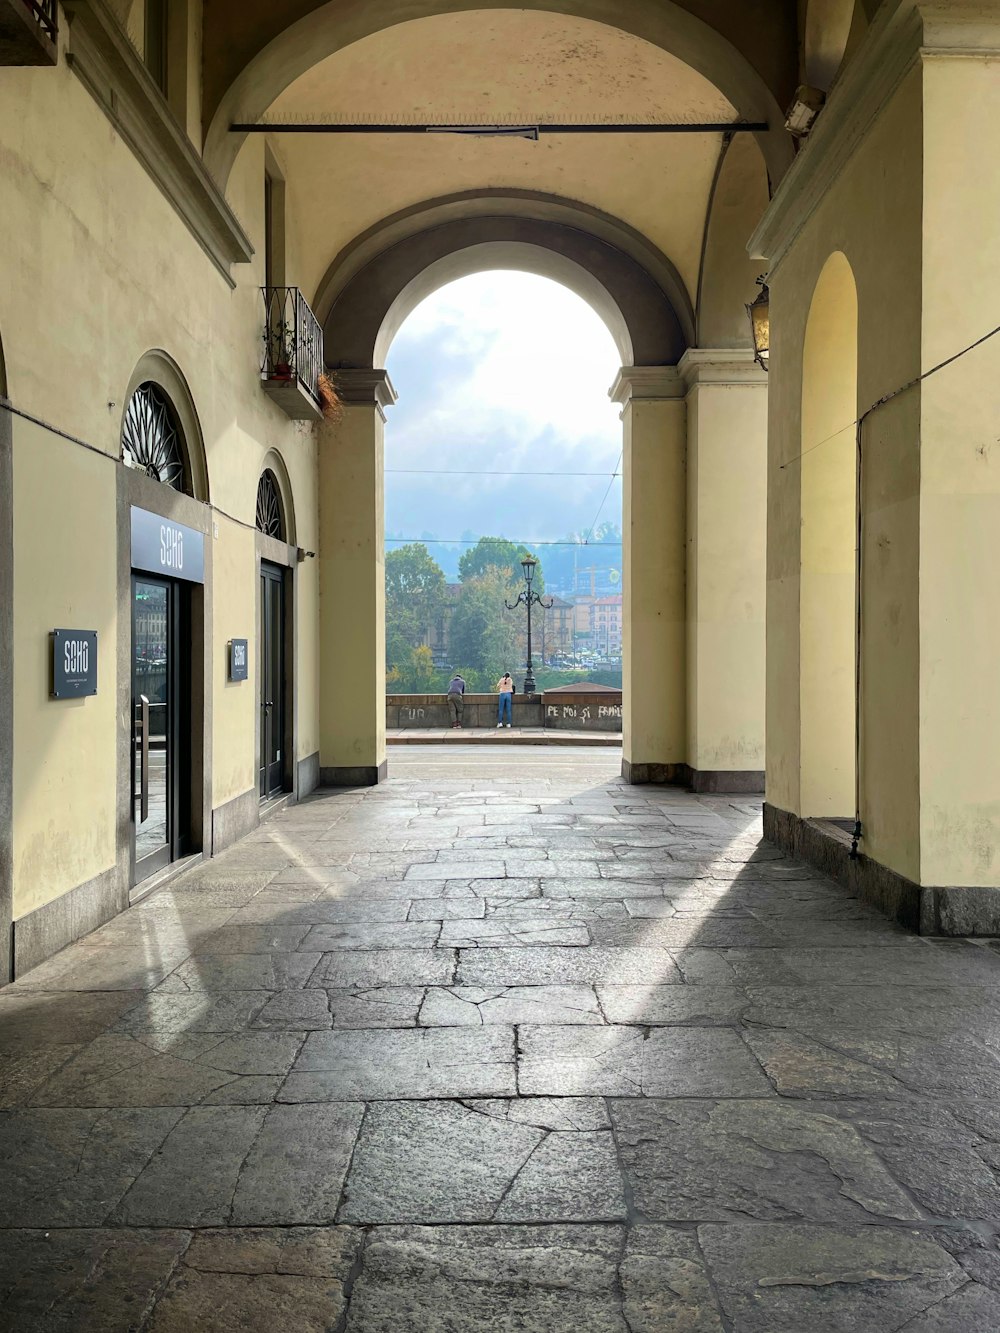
x,y
503,1046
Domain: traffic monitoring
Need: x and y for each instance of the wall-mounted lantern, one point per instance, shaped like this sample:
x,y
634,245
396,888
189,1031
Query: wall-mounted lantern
x,y
760,323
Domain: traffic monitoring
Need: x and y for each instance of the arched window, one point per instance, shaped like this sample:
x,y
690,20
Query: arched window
x,y
151,438
270,510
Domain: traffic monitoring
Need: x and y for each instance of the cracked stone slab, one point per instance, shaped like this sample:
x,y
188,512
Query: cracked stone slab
x,y
784,1278
679,933
800,1066
74,1281
472,1006
294,1173
446,909
249,971
320,911
33,1019
70,1167
380,1007
666,1005
578,909
344,969
276,937
579,886
406,1063
200,1011
508,1279
23,1072
190,1181
497,933
695,1161
572,1113
548,966
294,1010
665,1283
624,1062
445,1162
165,1069
568,1176
374,935
260,1278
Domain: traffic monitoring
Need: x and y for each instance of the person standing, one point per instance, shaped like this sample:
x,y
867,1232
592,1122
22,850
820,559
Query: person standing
x,y
456,699
505,688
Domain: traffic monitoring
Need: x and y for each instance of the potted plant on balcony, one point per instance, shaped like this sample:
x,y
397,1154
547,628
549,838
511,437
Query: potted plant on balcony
x,y
279,351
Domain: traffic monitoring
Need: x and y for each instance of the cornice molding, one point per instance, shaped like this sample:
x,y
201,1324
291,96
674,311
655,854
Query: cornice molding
x,y
890,51
646,384
111,70
719,367
365,388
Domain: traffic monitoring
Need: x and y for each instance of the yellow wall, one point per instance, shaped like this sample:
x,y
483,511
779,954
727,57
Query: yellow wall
x,y
653,580
234,713
827,467
105,271
872,212
352,590
960,479
726,479
65,750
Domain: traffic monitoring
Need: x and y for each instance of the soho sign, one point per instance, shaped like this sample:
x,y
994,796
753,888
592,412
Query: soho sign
x,y
161,546
74,663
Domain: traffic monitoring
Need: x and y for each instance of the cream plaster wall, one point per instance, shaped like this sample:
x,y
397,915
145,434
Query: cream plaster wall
x,y
654,501
960,478
352,589
828,544
872,211
102,271
65,750
234,713
727,508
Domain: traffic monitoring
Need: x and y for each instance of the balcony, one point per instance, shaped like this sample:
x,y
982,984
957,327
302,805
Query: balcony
x,y
28,31
293,353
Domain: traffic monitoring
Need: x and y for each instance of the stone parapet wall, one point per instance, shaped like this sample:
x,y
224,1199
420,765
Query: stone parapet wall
x,y
579,712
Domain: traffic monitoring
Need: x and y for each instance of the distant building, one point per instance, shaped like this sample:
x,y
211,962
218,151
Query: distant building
x,y
556,626
606,626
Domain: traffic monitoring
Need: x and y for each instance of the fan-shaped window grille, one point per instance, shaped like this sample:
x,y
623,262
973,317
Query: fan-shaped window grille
x,y
151,440
270,516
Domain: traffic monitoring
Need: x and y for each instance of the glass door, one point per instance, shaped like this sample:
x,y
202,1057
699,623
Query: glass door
x,y
152,815
272,680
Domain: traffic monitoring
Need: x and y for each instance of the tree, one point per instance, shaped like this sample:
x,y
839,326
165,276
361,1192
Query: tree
x,y
496,553
483,631
415,593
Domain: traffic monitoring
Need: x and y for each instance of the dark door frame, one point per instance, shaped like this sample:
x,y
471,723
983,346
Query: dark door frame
x,y
272,658
177,728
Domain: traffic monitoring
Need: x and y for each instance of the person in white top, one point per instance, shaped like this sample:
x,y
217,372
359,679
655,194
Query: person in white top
x,y
505,688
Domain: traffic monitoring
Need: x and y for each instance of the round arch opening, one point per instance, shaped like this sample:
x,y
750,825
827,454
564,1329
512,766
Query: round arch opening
x,y
828,538
158,370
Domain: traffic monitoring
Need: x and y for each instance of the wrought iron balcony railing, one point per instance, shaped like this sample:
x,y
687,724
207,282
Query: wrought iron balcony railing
x,y
293,351
28,31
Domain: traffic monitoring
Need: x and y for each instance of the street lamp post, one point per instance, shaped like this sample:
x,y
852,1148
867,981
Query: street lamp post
x,y
529,598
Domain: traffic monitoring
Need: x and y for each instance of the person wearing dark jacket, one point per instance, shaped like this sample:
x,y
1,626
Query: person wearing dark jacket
x,y
456,699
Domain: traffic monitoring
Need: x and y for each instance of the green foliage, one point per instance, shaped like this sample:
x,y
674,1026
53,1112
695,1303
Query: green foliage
x,y
497,553
483,631
549,678
415,594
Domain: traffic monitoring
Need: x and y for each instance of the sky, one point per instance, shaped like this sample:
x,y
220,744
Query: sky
x,y
502,372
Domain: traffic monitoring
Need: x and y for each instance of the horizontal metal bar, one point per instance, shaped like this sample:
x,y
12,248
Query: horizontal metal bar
x,y
500,131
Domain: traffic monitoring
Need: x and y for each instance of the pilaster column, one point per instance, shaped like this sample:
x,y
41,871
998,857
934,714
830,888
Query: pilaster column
x,y
726,576
352,582
653,572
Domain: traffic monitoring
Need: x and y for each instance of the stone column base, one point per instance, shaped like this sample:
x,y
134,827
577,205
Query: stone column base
x,y
705,780
365,775
949,910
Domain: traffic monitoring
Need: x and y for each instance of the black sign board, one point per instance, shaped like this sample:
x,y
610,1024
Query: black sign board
x,y
74,663
239,659
161,546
